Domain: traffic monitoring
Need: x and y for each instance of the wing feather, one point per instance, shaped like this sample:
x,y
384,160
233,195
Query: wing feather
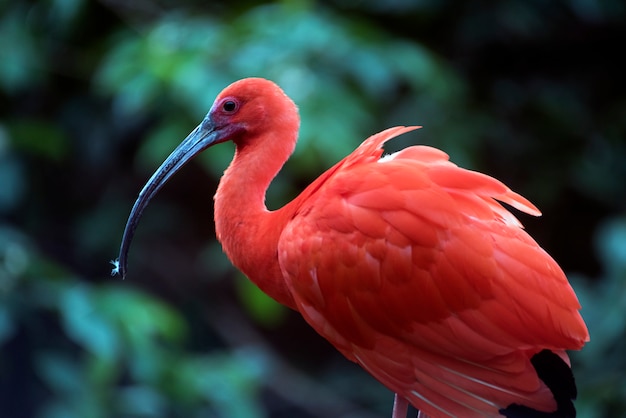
x,y
411,267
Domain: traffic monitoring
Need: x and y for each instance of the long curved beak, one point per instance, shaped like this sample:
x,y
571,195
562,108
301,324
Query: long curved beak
x,y
197,141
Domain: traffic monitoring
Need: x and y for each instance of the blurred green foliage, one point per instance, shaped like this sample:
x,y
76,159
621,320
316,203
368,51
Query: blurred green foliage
x,y
93,96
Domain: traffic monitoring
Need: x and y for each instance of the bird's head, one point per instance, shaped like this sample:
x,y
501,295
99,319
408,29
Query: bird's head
x,y
248,108
241,113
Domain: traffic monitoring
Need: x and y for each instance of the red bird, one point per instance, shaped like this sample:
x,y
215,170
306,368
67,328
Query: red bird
x,y
407,263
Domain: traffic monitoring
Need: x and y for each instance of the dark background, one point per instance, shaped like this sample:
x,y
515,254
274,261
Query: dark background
x,y
94,95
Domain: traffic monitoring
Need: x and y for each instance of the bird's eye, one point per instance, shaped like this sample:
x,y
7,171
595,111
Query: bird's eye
x,y
229,106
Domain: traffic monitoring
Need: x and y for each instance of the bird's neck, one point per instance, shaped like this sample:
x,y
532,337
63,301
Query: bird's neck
x,y
248,232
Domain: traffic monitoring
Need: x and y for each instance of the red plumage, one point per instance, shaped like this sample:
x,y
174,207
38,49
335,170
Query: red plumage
x,y
411,268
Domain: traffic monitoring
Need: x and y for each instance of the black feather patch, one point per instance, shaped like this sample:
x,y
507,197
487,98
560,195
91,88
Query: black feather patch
x,y
558,377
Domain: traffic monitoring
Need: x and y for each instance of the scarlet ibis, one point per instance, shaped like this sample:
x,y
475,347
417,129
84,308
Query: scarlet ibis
x,y
406,263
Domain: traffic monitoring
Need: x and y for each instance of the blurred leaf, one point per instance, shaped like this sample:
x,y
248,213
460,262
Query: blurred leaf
x,y
61,373
143,317
228,382
14,255
86,324
141,401
20,58
39,138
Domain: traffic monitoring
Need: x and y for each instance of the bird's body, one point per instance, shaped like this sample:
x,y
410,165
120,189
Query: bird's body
x,y
407,264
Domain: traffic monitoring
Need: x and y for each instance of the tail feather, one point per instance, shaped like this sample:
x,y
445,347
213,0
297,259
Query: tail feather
x,y
558,376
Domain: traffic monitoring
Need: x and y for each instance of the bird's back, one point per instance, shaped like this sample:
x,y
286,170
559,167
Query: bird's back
x,y
409,267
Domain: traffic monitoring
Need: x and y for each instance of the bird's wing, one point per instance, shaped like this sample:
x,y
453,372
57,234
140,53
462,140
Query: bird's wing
x,y
411,257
